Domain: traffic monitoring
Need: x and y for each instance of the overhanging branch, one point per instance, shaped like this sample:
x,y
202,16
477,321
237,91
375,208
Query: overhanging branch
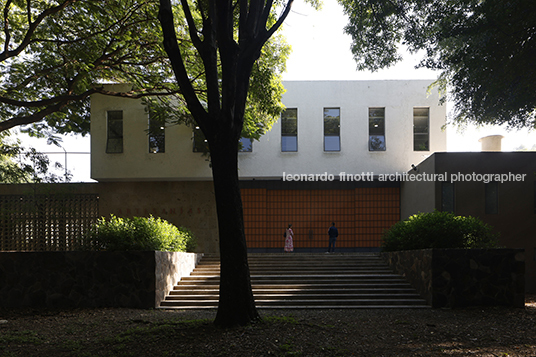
x,y
56,104
165,15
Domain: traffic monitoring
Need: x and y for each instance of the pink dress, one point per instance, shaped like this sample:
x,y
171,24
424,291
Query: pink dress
x,y
289,245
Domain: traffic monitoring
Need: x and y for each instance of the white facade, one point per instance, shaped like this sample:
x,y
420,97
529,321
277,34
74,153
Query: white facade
x,y
352,99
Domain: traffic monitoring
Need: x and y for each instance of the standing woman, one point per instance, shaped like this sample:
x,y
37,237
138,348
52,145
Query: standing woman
x,y
289,245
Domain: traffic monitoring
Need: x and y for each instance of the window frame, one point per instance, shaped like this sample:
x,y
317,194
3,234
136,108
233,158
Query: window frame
x,y
245,148
422,137
448,204
201,144
158,140
338,128
292,134
491,197
114,143
374,146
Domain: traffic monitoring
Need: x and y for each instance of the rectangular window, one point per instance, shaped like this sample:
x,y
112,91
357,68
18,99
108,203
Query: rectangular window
x,y
332,129
492,197
246,145
200,143
289,130
157,136
447,197
535,197
114,142
421,132
376,129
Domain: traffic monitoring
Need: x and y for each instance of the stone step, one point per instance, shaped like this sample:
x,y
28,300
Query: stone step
x,y
302,307
313,259
312,264
294,272
303,303
303,284
302,281
272,289
302,277
320,288
282,296
327,260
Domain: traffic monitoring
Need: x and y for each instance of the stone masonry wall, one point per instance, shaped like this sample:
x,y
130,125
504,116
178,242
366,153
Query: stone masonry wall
x,y
133,279
464,277
416,267
170,267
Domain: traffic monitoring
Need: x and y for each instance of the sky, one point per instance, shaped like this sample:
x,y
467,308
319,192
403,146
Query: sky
x,y
320,51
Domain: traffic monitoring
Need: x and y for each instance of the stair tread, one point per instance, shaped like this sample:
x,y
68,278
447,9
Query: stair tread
x,y
309,281
325,307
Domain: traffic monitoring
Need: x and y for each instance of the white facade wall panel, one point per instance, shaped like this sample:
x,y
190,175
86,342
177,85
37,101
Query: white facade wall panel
x,y
267,161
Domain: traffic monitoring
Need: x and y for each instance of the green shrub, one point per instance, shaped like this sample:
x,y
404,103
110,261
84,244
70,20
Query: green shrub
x,y
439,230
139,233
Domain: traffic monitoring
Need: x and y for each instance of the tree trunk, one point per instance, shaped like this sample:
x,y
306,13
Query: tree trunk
x,y
236,304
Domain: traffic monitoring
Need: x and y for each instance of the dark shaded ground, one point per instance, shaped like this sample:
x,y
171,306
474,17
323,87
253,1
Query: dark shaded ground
x,y
398,332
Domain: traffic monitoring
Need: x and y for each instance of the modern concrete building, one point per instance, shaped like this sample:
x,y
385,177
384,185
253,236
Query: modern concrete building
x,y
329,126
497,187
342,152
322,162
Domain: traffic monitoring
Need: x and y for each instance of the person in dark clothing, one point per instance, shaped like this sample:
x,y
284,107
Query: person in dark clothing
x,y
333,234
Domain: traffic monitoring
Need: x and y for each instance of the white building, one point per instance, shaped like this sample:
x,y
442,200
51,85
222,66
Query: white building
x,y
329,126
360,128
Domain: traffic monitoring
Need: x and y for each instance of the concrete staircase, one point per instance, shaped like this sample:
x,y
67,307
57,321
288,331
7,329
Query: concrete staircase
x,y
290,281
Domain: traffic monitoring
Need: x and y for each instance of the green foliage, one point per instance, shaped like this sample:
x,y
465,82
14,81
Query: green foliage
x,y
25,165
57,52
139,233
264,104
439,230
484,50
263,107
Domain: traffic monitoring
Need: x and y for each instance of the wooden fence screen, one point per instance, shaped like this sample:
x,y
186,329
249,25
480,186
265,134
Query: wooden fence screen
x,y
45,222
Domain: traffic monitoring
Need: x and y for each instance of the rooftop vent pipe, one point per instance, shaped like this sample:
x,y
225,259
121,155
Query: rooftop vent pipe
x,y
491,142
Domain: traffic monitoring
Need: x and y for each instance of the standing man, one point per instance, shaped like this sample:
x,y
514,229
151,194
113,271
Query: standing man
x,y
333,234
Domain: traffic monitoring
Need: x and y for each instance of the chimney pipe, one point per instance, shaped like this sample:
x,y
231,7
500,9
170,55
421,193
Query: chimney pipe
x,y
491,142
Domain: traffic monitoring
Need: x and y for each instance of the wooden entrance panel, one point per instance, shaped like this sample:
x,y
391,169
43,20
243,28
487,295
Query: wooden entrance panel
x,y
360,214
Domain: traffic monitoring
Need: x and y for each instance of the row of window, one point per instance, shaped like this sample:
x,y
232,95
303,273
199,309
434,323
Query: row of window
x,y
376,124
491,197
201,145
156,136
114,141
289,132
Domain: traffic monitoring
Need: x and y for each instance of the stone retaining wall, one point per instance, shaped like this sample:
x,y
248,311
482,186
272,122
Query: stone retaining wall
x,y
133,279
464,277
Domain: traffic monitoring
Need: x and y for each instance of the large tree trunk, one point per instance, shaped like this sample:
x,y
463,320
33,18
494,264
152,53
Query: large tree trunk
x,y
236,304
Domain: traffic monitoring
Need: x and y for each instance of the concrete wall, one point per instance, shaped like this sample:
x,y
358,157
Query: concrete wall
x,y
90,279
516,218
353,98
183,203
464,277
136,163
419,196
310,97
188,204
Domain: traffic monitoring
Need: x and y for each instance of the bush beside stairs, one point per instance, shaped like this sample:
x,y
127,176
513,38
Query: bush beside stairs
x,y
291,281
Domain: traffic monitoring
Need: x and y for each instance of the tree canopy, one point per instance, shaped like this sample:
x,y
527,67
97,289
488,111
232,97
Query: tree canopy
x,y
484,50
26,165
55,54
